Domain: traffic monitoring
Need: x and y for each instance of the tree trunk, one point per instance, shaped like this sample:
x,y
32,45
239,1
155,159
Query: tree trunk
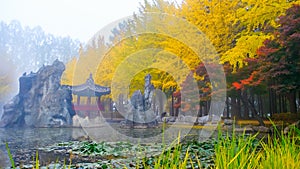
x,y
280,99
234,114
201,109
227,107
256,116
206,108
284,104
246,107
254,111
270,102
275,102
292,102
239,106
260,105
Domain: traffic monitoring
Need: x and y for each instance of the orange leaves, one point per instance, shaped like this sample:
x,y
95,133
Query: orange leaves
x,y
265,51
237,85
177,94
253,80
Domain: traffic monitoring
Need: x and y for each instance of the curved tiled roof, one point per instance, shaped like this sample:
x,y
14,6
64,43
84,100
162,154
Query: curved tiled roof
x,y
89,88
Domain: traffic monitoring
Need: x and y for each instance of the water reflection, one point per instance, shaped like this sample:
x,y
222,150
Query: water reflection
x,y
26,140
29,139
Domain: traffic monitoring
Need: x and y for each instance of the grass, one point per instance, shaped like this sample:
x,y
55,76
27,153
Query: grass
x,y
10,156
229,151
281,151
277,151
233,152
171,158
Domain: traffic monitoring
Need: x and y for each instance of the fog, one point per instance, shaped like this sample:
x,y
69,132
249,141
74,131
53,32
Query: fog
x,y
24,49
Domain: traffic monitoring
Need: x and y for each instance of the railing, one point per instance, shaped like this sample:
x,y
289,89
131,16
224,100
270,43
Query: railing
x,y
87,107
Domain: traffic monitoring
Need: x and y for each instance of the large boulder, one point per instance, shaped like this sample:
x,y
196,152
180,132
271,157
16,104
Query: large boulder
x,y
41,101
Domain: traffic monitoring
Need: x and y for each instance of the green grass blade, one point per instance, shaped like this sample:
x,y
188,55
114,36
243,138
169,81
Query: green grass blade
x,y
10,156
37,165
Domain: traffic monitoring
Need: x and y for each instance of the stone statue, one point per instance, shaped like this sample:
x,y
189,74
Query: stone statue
x,y
140,113
148,92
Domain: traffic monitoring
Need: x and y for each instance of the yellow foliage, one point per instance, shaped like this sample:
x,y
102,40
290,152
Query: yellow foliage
x,y
235,28
215,18
246,47
68,75
254,17
7,79
259,14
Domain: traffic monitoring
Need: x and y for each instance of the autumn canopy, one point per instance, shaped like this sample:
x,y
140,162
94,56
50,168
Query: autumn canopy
x,y
255,42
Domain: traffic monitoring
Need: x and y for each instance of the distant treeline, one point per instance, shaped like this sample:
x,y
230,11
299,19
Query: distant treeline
x,y
25,49
30,48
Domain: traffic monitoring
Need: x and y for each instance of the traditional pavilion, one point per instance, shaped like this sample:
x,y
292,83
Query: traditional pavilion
x,y
89,90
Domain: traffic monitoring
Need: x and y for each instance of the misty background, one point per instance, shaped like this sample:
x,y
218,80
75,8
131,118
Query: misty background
x,y
34,33
24,49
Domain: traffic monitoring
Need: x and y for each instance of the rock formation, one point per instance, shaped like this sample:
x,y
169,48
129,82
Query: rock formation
x,y
41,101
140,113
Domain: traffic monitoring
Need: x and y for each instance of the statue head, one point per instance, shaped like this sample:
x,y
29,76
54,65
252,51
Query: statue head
x,y
148,79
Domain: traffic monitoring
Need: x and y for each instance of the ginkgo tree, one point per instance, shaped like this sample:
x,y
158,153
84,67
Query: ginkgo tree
x,y
256,20
277,65
278,61
150,42
236,29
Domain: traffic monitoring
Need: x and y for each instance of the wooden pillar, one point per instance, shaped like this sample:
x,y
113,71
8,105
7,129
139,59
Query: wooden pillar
x,y
99,103
78,100
89,100
201,109
172,105
88,103
227,115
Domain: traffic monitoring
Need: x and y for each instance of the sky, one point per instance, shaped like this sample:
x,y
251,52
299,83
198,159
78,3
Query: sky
x,y
79,19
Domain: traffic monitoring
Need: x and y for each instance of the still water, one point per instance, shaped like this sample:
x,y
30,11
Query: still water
x,y
27,140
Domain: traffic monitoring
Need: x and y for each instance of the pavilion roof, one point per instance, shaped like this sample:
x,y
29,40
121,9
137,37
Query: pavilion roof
x,y
89,88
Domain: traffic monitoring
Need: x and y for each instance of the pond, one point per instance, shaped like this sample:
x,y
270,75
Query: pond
x,y
23,142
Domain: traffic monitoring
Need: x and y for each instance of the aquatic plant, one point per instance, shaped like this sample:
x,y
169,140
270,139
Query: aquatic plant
x,y
228,151
10,156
